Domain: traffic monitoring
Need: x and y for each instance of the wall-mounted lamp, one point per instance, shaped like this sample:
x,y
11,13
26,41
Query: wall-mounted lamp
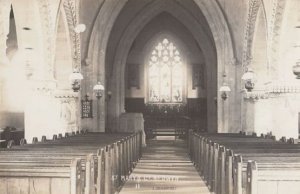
x,y
249,78
224,89
296,69
98,89
75,79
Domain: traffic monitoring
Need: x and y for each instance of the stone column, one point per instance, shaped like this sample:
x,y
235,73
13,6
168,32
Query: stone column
x,y
274,109
50,112
256,113
285,108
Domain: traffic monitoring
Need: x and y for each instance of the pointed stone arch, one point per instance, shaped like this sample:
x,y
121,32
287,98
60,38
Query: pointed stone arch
x,y
221,37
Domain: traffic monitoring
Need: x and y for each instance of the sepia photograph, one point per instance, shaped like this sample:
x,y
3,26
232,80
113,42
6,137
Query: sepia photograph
x,y
149,96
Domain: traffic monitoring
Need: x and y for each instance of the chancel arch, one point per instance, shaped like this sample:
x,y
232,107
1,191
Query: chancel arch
x,y
218,29
193,102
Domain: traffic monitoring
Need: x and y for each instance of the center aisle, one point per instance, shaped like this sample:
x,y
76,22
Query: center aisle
x,y
165,168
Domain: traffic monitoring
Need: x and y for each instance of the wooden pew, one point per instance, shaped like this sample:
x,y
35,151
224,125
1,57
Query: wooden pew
x,y
215,160
51,180
225,159
268,178
95,162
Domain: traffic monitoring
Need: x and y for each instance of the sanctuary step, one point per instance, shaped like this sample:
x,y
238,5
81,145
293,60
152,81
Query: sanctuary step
x,y
165,168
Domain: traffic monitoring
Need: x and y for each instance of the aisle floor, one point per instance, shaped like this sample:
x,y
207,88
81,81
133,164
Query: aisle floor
x,y
165,168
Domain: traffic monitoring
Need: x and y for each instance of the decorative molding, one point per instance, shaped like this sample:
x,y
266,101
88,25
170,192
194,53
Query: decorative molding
x,y
48,34
283,87
274,29
72,19
274,33
65,94
273,90
255,95
254,6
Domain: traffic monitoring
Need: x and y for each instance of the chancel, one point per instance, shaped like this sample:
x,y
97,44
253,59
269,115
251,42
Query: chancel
x,y
149,96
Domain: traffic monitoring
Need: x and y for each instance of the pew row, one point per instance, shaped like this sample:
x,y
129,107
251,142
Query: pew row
x,y
53,179
102,166
223,161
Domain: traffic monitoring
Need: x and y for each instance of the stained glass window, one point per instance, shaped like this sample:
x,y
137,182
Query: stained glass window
x,y
165,74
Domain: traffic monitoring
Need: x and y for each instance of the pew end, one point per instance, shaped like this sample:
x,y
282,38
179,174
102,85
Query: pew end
x,y
23,142
10,143
44,138
34,140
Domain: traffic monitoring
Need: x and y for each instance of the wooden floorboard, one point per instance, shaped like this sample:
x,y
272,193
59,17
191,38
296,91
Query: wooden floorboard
x,y
165,168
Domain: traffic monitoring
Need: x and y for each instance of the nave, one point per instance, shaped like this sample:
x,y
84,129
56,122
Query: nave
x,y
118,67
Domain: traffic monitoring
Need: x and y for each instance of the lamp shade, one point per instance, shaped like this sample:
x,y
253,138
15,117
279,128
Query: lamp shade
x,y
225,88
76,76
98,87
79,28
296,69
248,75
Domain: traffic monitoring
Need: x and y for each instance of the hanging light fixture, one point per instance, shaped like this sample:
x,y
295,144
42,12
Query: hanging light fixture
x,y
224,89
98,89
75,79
296,69
76,76
249,78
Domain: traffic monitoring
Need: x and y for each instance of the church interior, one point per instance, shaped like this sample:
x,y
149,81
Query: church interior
x,y
206,90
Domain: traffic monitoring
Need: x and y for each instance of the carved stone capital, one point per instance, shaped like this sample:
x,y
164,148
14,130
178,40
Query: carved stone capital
x,y
283,87
274,90
256,94
71,11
